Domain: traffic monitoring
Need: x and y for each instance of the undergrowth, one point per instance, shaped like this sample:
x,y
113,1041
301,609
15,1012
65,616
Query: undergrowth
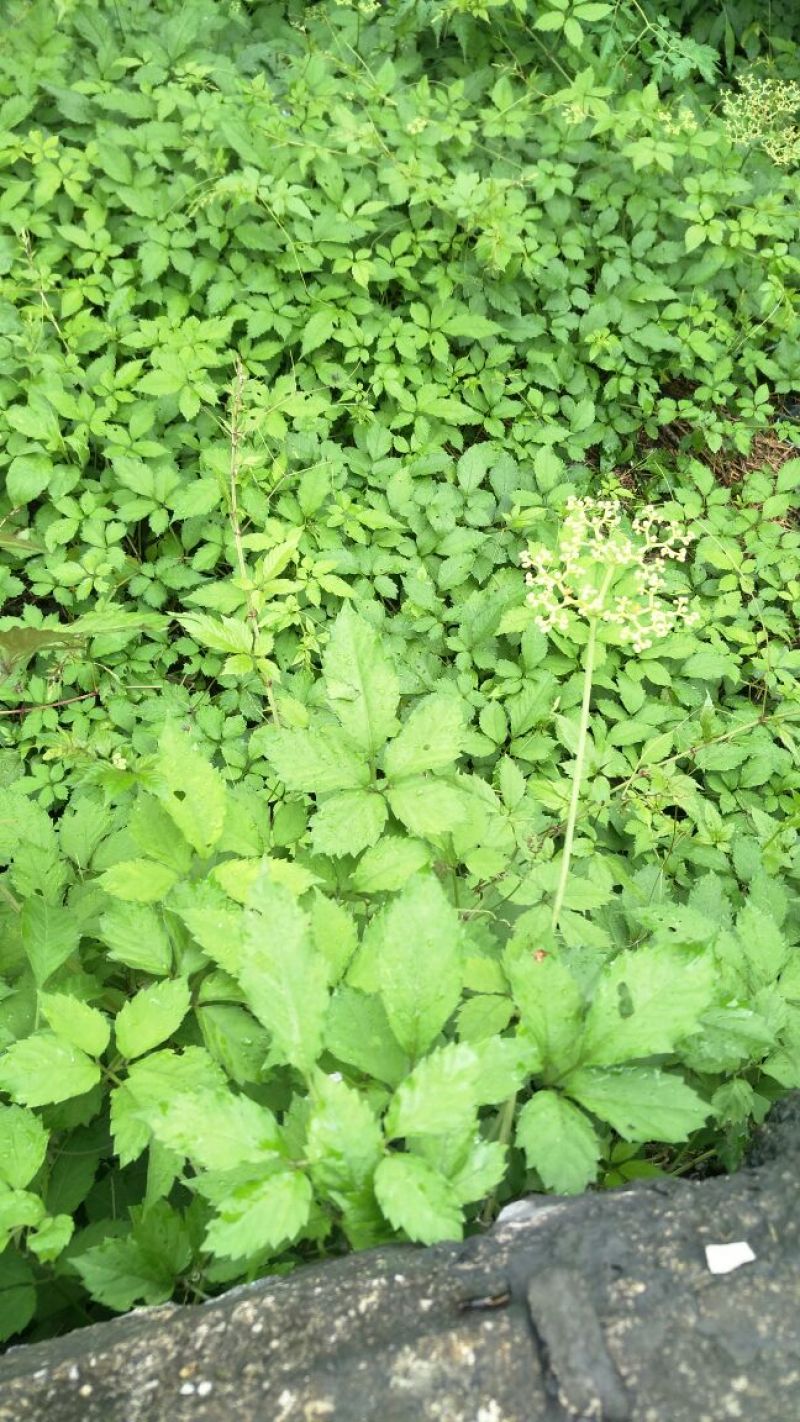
x,y
347,891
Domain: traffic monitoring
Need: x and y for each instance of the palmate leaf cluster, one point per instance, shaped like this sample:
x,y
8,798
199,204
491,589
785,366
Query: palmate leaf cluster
x,y
311,317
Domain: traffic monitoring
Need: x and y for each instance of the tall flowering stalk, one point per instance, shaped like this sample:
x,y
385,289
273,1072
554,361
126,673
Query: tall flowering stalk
x,y
613,580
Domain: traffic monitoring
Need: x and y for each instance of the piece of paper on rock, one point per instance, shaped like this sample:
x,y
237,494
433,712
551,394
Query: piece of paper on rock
x,y
724,1258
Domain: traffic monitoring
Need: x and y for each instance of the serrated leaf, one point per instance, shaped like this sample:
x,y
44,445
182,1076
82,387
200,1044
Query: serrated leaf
x,y
420,963
559,1142
348,822
140,881
439,1096
416,1199
314,760
284,980
550,1006
151,1016
317,330
644,1002
334,934
17,1294
120,1273
641,1103
482,1170
389,864
23,1143
361,683
192,792
426,805
50,1238
357,1032
50,935
484,1016
431,738
259,1214
344,1142
42,1070
135,935
76,1022
215,1129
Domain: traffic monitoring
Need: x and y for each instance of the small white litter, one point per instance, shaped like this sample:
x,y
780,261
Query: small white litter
x,y
724,1258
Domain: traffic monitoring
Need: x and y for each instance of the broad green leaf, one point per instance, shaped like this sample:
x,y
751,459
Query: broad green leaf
x,y
120,1273
28,476
213,921
192,792
357,1032
216,1130
431,738
317,330
764,944
151,1016
483,1016
135,935
641,1103
420,963
42,1070
441,1094
559,1142
361,682
50,935
335,935
234,1039
644,1002
19,1209
50,1238
389,864
506,1064
262,1213
23,1143
426,805
417,1200
482,1169
348,822
17,1294
344,1142
76,1022
314,760
550,1006
157,836
141,881
284,979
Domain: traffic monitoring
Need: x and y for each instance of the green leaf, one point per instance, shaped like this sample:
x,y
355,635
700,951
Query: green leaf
x,y
317,330
335,935
119,1273
215,1129
420,963
284,980
417,1200
151,1016
644,1002
357,1032
23,1143
135,935
213,921
389,864
314,760
50,935
361,682
559,1142
76,1022
50,1238
550,1006
481,1171
431,738
348,822
427,806
344,1142
138,880
28,476
641,1103
483,1016
42,1070
259,1214
17,1294
439,1096
192,792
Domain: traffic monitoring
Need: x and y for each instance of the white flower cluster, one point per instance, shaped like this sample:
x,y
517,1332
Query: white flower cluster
x,y
607,575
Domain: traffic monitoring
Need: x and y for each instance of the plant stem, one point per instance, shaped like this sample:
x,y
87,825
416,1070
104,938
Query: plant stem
x,y
577,774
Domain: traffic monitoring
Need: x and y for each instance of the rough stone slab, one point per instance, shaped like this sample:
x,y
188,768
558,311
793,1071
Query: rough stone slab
x,y
598,1309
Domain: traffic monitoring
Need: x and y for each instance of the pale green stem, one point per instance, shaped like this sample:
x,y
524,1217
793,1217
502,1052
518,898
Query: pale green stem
x,y
580,756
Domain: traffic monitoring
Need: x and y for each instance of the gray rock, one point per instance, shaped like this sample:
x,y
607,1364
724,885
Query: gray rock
x,y
596,1309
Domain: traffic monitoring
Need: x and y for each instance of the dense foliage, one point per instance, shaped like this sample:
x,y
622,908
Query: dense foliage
x,y
345,895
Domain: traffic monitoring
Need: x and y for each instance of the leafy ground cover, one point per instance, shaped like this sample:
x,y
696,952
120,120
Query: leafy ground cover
x,y
352,885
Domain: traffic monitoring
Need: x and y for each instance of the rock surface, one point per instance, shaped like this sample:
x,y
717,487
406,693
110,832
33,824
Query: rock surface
x,y
597,1309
